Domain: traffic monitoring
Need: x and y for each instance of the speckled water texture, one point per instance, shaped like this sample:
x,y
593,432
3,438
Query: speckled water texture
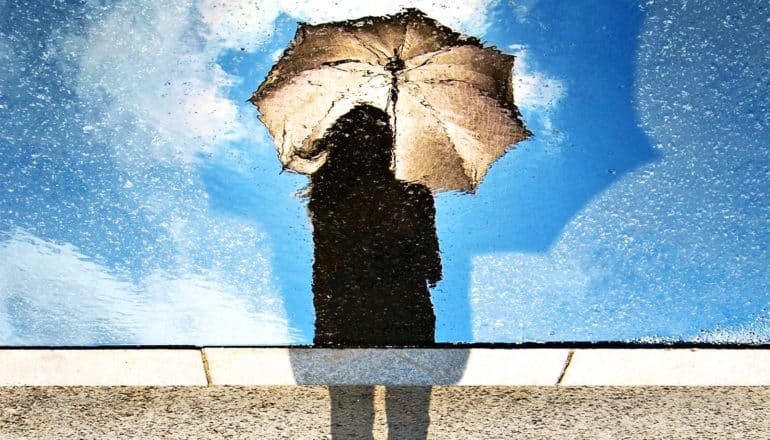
x,y
455,413
141,200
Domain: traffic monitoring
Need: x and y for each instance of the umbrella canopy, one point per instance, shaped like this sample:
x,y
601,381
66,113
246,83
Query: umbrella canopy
x,y
450,98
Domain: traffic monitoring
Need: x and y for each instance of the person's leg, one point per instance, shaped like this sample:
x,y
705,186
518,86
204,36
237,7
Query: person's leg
x,y
352,412
408,412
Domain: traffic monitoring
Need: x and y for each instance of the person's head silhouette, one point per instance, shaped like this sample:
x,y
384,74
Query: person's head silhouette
x,y
360,145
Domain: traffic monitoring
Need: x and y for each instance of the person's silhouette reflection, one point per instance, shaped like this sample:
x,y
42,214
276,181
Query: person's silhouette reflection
x,y
375,241
376,252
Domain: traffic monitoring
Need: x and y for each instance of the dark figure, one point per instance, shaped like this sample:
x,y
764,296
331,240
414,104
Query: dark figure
x,y
376,252
375,241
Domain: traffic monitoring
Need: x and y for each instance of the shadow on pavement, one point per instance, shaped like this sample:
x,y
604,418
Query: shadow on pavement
x,y
408,375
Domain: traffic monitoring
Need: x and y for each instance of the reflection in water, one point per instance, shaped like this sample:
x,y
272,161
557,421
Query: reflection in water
x,y
51,293
375,240
406,373
376,250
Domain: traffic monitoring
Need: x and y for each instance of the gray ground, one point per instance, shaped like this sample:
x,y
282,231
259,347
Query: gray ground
x,y
455,413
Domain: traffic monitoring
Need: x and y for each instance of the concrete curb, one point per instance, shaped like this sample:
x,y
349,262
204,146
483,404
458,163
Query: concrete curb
x,y
298,366
419,367
120,367
676,367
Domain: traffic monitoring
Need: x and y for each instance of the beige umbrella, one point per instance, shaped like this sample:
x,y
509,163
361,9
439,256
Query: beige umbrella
x,y
449,97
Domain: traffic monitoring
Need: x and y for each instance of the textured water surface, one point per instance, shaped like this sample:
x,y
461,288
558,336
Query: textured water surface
x,y
141,201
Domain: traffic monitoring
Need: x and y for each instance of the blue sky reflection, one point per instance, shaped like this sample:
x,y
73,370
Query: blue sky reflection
x,y
141,201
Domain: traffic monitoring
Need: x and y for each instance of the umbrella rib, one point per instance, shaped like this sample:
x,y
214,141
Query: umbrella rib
x,y
432,55
371,49
400,48
283,145
509,106
336,65
395,119
449,80
343,61
435,115
453,80
351,61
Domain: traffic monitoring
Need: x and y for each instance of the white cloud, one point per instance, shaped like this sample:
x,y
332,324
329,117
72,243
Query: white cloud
x,y
522,8
276,55
246,24
197,309
536,93
533,90
155,85
149,71
469,16
51,294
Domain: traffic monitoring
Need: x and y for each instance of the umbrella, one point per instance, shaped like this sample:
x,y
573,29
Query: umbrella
x,y
449,97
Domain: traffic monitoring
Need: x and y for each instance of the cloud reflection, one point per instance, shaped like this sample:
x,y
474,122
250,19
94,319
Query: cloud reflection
x,y
54,295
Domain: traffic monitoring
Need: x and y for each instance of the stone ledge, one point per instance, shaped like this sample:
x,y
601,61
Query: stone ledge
x,y
631,367
668,367
304,366
89,367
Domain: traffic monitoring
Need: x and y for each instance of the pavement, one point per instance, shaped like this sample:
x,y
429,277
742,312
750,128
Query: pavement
x,y
308,393
454,412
